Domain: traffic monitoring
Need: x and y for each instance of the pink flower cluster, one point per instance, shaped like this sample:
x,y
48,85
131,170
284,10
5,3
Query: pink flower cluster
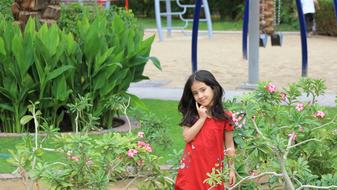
x,y
145,145
237,117
299,107
319,114
271,88
132,153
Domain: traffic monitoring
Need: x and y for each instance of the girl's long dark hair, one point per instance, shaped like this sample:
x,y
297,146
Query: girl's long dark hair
x,y
187,103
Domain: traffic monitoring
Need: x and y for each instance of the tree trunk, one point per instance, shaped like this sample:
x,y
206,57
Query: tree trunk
x,y
46,11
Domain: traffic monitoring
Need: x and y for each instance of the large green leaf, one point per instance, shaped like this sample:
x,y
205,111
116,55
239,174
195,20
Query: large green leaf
x,y
118,25
100,59
101,77
57,72
137,102
61,91
50,38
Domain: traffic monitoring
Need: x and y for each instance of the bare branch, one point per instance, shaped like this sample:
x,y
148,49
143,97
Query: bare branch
x,y
257,129
331,122
316,187
298,144
254,177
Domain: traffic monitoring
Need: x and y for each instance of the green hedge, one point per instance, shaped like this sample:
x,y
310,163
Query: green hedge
x,y
5,9
325,19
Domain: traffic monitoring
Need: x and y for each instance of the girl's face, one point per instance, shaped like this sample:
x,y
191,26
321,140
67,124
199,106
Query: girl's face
x,y
202,94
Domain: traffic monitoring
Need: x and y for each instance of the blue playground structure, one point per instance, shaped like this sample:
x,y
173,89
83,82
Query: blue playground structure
x,y
168,14
251,26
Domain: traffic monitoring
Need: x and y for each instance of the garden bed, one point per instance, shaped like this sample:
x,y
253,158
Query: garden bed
x,y
17,183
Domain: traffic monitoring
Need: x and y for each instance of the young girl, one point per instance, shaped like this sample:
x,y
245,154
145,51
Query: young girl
x,y
206,131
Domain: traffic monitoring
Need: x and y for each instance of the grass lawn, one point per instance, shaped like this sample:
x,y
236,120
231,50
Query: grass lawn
x,y
217,25
161,108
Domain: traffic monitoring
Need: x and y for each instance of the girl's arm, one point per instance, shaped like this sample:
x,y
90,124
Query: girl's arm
x,y
230,150
189,133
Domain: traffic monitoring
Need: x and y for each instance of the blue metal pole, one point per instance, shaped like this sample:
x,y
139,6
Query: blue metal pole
x,y
195,35
107,4
303,38
245,29
335,6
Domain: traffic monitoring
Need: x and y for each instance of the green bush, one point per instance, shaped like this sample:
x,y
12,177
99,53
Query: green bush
x,y
283,138
326,19
54,67
86,162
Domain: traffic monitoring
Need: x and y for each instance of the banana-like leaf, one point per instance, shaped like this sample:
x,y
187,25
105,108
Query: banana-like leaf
x,y
155,62
140,60
61,91
137,102
100,59
100,78
118,25
71,45
50,38
57,72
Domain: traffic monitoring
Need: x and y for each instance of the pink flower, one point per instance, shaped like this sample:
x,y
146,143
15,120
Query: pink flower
x,y
141,144
299,107
283,96
75,158
132,153
319,114
140,134
148,147
271,88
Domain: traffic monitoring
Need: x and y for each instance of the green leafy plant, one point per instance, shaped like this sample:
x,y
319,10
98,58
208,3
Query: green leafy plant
x,y
49,65
155,129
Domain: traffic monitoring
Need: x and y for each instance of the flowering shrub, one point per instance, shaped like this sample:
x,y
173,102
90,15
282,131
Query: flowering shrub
x,y
88,162
284,138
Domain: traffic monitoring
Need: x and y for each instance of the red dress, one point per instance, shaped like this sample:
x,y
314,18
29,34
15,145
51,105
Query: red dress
x,y
202,154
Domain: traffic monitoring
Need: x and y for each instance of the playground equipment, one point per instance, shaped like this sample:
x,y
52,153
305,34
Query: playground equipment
x,y
168,14
269,19
304,52
250,24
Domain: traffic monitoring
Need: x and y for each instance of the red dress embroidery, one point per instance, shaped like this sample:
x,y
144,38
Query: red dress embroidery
x,y
202,154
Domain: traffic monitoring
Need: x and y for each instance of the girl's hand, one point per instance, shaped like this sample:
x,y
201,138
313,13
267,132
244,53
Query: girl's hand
x,y
231,177
202,111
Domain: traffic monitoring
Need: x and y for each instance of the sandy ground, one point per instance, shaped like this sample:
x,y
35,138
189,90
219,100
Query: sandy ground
x,y
222,55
